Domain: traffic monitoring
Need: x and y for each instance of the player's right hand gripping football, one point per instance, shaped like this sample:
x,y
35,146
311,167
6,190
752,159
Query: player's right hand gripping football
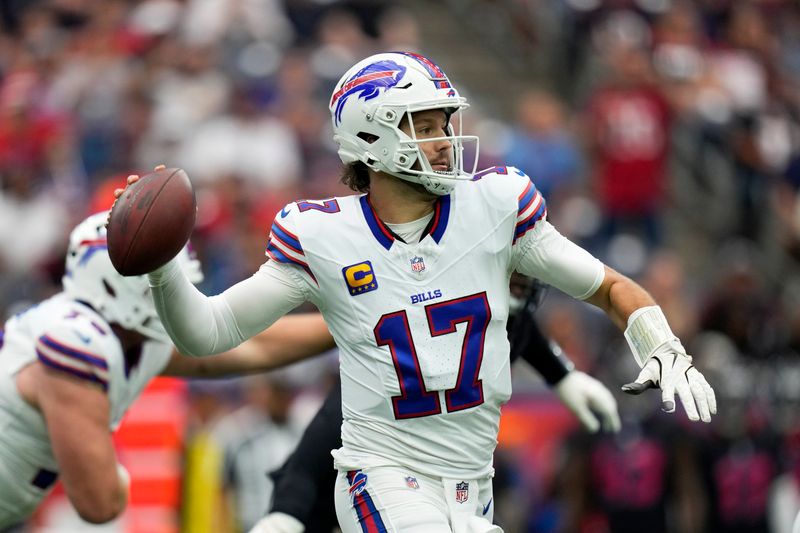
x,y
133,178
671,370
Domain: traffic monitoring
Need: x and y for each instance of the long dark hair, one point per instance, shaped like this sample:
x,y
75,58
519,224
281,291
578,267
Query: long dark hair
x,y
356,176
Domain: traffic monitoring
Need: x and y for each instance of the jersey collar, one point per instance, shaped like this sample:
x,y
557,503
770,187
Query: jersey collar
x,y
386,237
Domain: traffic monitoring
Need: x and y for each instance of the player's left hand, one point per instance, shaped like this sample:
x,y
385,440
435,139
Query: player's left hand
x,y
671,370
586,397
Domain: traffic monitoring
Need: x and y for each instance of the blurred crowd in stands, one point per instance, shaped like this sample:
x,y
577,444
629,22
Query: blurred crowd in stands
x,y
664,134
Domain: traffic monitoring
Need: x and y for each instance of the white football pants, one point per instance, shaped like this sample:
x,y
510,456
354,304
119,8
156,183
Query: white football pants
x,y
398,500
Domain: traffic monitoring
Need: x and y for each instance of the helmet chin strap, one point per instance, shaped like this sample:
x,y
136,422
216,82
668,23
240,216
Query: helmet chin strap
x,y
437,187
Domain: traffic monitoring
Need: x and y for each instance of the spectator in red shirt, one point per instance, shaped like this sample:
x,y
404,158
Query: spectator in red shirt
x,y
628,129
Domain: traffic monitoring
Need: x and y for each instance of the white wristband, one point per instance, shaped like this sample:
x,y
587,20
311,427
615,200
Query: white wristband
x,y
647,331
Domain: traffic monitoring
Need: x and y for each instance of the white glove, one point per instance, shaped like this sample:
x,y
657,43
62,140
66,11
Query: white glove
x,y
671,369
585,396
278,523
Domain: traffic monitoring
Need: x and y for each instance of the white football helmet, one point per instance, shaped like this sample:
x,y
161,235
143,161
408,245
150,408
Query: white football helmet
x,y
370,101
91,278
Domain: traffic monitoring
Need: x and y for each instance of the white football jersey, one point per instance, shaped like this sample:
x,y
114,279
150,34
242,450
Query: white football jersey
x,y
421,326
69,337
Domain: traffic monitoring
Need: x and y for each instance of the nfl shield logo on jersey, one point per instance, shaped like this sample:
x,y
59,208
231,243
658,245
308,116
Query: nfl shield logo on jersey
x,y
411,482
462,492
417,264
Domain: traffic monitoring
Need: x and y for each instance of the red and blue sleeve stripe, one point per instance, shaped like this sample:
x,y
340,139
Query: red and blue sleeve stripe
x,y
286,238
531,209
70,360
276,254
284,247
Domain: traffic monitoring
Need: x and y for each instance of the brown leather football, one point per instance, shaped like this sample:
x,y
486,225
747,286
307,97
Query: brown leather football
x,y
151,221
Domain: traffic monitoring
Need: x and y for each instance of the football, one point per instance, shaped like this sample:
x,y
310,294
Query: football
x,y
151,221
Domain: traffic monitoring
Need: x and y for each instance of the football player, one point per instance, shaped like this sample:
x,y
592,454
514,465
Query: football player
x,y
303,499
411,275
72,365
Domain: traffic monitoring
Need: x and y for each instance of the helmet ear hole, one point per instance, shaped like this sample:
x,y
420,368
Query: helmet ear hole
x,y
369,138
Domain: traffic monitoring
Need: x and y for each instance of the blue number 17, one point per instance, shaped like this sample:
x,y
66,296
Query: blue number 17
x,y
414,399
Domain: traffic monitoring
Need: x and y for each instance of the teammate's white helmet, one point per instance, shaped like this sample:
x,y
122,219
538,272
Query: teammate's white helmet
x,y
370,101
90,277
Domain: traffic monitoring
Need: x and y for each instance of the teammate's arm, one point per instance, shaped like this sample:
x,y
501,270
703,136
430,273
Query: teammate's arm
x,y
291,339
77,416
585,396
582,394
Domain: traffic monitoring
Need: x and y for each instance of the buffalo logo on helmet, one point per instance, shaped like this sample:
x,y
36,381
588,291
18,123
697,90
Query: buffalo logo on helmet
x,y
368,83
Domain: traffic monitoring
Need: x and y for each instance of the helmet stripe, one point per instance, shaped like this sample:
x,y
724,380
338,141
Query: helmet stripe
x,y
92,246
438,75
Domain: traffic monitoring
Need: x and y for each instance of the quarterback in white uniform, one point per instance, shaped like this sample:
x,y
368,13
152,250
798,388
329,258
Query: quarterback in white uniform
x,y
72,365
412,279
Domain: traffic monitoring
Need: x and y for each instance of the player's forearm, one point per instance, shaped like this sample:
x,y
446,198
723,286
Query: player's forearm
x,y
92,479
87,463
201,325
197,324
619,297
545,357
98,502
291,339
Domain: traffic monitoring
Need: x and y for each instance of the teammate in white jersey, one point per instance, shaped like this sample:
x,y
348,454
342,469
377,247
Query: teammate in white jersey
x,y
412,278
72,365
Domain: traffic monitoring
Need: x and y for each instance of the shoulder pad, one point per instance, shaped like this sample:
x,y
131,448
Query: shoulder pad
x,y
512,187
76,348
284,244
